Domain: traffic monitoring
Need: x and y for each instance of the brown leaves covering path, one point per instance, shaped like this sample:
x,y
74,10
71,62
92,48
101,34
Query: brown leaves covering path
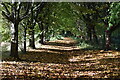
x,y
74,64
65,42
62,62
53,47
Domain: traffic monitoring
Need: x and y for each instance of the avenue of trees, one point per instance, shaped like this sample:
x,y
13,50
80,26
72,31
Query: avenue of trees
x,y
92,22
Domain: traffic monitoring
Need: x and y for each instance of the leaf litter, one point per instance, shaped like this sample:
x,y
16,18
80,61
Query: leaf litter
x,y
46,63
64,65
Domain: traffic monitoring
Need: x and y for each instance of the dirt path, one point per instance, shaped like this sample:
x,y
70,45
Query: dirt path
x,y
67,44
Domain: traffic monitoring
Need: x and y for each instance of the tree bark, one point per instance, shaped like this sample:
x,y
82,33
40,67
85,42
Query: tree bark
x,y
42,34
108,36
31,39
24,39
94,34
89,33
108,40
14,41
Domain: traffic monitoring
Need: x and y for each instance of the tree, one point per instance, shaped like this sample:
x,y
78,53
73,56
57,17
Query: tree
x,y
87,13
13,13
38,19
114,22
60,18
24,24
31,28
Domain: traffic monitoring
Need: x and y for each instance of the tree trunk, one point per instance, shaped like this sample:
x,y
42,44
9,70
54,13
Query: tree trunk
x,y
104,40
14,41
89,33
31,39
42,34
94,34
108,40
24,40
108,36
45,33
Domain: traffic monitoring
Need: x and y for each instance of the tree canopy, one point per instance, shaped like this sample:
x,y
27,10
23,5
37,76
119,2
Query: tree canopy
x,y
90,22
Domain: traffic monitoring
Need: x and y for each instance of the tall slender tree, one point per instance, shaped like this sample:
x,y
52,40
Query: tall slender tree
x,y
39,20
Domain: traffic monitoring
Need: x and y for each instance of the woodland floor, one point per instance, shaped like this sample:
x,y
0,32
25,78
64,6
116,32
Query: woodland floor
x,y
46,63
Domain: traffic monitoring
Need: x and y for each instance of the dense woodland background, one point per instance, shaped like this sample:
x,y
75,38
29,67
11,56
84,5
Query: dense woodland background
x,y
93,24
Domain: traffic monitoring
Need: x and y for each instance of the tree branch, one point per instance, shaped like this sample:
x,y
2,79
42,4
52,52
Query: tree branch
x,y
26,13
39,9
7,16
8,12
18,14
